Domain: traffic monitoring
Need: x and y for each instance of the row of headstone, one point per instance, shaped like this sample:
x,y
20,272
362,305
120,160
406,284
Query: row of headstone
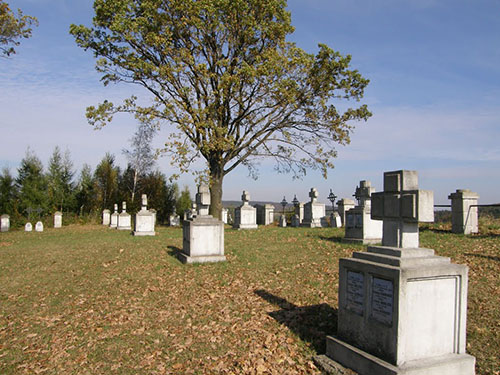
x,y
38,227
145,219
402,309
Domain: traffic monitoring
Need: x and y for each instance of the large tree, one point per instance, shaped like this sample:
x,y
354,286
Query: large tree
x,y
223,75
13,28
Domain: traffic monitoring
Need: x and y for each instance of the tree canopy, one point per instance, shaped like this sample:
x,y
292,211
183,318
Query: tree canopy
x,y
222,74
13,28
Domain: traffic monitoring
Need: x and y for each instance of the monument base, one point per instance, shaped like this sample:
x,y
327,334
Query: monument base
x,y
144,233
365,363
124,228
186,259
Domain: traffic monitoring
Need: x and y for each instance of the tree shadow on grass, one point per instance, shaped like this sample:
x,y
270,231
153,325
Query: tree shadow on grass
x,y
496,259
311,323
434,230
174,251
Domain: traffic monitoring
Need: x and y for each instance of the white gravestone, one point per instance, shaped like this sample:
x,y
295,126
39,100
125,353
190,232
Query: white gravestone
x,y
299,211
282,222
225,215
174,220
464,212
124,219
114,217
402,309
335,220
314,212
57,219
144,220
360,227
106,217
39,226
28,227
265,214
4,223
203,235
344,205
245,216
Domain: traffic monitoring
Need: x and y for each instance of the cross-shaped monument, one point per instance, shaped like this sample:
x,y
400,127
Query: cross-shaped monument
x,y
203,200
402,206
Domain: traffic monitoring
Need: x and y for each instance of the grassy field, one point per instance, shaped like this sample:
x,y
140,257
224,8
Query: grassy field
x,y
90,300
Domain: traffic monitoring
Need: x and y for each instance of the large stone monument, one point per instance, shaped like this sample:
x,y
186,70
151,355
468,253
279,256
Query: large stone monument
x,y
203,235
245,216
402,309
464,212
106,217
344,205
144,220
360,227
57,219
114,217
265,214
4,223
314,212
124,219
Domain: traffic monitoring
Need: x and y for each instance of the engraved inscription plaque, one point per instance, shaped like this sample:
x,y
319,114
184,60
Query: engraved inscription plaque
x,y
355,292
382,300
350,221
358,221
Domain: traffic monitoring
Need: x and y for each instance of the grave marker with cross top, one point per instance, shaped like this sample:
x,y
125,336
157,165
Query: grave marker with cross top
x,y
402,206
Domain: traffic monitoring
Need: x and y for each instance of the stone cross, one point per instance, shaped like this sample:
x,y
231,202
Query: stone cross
x,y
364,192
313,194
203,199
245,197
144,198
124,207
402,206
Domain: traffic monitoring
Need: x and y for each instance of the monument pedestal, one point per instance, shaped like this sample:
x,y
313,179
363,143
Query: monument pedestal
x,y
401,311
361,228
203,240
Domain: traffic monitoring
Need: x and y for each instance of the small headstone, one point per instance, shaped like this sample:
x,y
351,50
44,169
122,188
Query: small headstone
x,y
225,215
295,221
314,212
28,227
335,220
144,220
57,219
4,223
106,217
39,226
174,220
282,222
265,214
124,219
464,212
114,217
299,211
245,216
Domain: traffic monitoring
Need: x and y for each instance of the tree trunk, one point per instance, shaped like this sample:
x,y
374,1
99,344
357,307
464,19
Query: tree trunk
x,y
216,178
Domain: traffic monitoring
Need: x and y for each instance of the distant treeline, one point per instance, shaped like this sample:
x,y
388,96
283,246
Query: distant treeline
x,y
36,193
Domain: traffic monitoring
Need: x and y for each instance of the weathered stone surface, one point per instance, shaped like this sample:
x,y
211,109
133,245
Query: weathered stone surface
x,y
4,223
464,216
57,219
28,227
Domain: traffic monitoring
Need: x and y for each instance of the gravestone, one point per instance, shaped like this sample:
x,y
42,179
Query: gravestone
x,y
144,220
57,219
360,227
265,214
203,235
28,227
402,309
114,217
224,214
39,226
295,221
245,216
335,220
464,216
106,217
282,222
299,211
124,219
344,205
4,223
174,220
314,212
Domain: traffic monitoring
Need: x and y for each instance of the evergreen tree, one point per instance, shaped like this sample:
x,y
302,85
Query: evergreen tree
x,y
8,193
106,177
32,184
60,181
184,202
85,194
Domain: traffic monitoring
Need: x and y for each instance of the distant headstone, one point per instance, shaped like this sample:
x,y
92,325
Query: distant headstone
x,y
225,215
402,309
57,219
144,220
282,222
174,220
335,220
295,221
360,227
114,217
344,205
265,214
124,219
203,200
314,212
203,235
299,211
28,227
39,226
106,217
4,223
464,212
245,216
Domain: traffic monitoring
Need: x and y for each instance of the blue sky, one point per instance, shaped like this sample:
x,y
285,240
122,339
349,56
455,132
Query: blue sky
x,y
434,67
